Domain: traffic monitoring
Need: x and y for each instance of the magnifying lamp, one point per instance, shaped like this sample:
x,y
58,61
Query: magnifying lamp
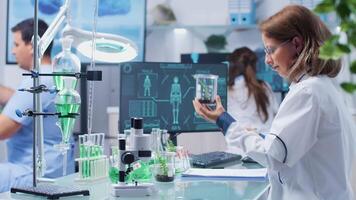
x,y
109,47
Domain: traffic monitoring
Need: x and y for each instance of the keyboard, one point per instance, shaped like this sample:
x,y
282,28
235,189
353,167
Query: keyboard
x,y
247,159
211,159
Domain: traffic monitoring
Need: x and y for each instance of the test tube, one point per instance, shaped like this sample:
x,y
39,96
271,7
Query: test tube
x,y
82,154
81,146
102,143
91,143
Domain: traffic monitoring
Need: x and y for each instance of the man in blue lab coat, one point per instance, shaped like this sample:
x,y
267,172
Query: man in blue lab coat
x,y
18,131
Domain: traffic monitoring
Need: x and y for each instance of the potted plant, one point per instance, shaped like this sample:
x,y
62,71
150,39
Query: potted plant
x,y
163,15
164,167
215,43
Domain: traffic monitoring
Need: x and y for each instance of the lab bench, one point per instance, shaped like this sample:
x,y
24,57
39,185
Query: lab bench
x,y
181,189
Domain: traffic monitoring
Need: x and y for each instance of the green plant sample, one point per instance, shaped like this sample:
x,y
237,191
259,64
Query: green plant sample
x,y
170,146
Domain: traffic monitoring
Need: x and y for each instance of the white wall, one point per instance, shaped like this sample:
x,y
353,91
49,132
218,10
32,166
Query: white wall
x,y
166,45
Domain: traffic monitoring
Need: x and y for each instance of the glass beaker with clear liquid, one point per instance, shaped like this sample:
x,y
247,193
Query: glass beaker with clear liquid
x,y
206,88
67,103
182,162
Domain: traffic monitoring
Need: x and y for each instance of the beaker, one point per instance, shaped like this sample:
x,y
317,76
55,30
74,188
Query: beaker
x,y
206,88
163,168
182,163
114,165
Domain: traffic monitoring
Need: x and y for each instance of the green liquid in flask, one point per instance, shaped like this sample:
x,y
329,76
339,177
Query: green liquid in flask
x,y
59,81
67,123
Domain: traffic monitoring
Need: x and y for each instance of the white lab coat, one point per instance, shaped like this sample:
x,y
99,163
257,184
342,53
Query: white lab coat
x,y
243,108
319,135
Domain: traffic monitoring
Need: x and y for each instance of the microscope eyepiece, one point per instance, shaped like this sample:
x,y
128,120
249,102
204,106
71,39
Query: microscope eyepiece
x,y
137,123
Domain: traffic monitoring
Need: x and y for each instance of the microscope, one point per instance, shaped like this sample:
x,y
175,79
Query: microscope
x,y
139,149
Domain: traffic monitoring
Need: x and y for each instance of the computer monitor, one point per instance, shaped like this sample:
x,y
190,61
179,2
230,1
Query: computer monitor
x,y
204,58
147,88
264,71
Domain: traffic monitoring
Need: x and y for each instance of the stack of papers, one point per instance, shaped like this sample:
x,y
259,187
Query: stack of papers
x,y
234,174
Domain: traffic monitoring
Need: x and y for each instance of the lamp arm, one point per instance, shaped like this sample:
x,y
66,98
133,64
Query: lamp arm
x,y
52,30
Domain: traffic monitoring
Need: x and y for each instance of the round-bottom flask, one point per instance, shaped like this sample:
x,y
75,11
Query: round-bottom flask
x,y
65,62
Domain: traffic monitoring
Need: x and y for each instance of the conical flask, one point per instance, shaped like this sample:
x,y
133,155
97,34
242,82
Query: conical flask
x,y
67,103
65,62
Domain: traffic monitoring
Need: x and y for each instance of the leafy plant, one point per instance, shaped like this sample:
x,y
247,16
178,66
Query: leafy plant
x,y
332,48
163,165
217,42
163,14
162,169
205,88
170,146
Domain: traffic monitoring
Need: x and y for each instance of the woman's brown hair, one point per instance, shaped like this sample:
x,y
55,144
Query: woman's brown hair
x,y
299,21
243,62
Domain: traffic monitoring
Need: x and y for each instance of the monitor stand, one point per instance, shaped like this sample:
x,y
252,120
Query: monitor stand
x,y
173,137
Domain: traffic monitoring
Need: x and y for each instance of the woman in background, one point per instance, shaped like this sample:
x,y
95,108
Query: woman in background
x,y
250,101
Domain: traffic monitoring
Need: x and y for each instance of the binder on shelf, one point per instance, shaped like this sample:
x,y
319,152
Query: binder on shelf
x,y
242,12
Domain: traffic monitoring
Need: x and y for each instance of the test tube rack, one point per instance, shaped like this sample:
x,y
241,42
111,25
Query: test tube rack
x,y
93,164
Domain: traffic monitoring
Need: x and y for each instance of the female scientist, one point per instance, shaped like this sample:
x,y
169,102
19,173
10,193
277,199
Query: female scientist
x,y
250,101
310,149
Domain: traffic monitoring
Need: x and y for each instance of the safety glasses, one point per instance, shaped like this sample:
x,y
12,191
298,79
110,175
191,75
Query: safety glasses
x,y
271,50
